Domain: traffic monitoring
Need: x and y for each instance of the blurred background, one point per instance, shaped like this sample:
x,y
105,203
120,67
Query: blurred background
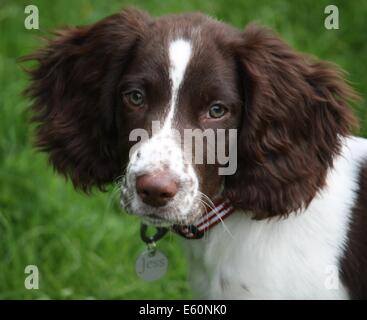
x,y
85,247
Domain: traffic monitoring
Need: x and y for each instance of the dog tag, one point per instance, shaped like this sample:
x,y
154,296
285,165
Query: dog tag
x,y
151,265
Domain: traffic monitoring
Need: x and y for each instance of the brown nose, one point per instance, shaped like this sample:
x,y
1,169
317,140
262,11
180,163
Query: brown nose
x,y
156,189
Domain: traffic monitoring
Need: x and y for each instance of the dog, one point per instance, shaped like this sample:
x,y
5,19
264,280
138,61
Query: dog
x,y
292,217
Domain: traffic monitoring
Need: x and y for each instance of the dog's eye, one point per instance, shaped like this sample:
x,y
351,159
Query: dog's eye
x,y
217,111
135,98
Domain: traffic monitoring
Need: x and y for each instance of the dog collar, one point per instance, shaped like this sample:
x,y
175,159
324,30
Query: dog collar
x,y
213,215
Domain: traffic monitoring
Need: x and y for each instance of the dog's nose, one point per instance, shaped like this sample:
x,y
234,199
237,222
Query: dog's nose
x,y
156,189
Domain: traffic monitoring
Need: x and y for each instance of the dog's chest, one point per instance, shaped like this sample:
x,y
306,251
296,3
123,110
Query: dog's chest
x,y
265,261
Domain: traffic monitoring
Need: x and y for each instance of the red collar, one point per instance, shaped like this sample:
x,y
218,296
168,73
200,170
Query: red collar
x,y
212,216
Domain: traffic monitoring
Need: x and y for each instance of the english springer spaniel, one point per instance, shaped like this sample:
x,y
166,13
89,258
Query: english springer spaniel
x,y
294,212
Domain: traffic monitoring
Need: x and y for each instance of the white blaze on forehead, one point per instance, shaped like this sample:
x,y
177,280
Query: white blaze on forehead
x,y
179,56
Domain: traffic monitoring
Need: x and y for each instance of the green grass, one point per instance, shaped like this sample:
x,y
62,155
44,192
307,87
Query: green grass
x,y
85,247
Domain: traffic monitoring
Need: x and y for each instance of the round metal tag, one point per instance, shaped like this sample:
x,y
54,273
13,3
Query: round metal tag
x,y
151,266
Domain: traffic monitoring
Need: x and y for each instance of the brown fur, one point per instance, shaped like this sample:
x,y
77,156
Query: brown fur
x,y
71,88
354,261
295,114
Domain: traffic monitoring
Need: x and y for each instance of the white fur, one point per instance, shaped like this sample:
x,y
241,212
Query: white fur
x,y
179,57
293,258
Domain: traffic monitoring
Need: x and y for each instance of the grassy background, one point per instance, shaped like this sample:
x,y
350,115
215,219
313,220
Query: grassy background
x,y
84,246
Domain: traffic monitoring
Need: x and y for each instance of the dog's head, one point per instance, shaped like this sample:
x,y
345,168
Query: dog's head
x,y
96,86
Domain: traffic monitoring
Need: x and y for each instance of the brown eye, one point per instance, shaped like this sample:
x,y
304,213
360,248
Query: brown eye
x,y
135,98
217,111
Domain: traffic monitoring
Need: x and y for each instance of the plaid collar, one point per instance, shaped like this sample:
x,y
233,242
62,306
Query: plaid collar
x,y
212,216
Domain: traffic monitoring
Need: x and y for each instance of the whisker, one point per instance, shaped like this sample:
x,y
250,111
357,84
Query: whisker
x,y
215,212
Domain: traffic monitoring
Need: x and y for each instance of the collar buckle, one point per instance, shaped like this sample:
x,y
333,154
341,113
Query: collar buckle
x,y
188,232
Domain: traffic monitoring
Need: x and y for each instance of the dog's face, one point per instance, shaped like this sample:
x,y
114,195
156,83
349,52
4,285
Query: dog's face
x,y
95,86
179,79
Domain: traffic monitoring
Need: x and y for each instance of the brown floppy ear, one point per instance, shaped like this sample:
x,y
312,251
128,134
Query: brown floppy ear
x,y
72,88
295,116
